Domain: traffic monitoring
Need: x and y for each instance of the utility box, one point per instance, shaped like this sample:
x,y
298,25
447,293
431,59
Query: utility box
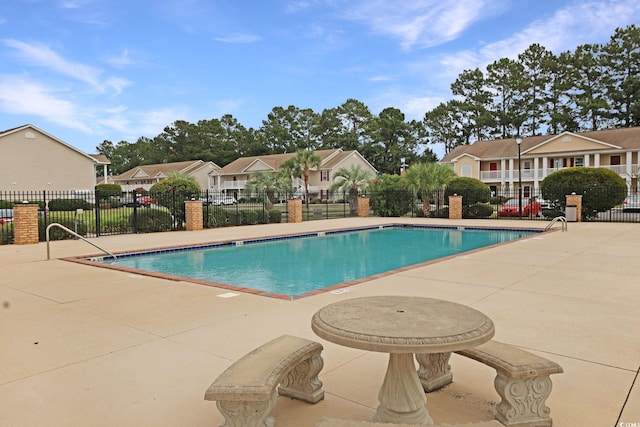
x,y
571,213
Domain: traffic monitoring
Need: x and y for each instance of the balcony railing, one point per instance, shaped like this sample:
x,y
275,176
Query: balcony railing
x,y
530,174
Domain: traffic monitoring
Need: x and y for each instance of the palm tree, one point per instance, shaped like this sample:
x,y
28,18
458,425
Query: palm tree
x,y
269,183
300,166
427,179
351,180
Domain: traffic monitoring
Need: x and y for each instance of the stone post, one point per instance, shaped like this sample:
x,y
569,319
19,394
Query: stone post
x,y
363,207
574,199
25,224
193,215
294,207
455,207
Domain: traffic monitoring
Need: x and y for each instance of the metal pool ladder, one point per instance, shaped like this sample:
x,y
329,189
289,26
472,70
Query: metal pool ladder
x,y
55,224
560,219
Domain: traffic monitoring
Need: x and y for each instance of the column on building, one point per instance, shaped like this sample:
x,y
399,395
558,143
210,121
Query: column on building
x,y
629,168
536,175
503,174
511,175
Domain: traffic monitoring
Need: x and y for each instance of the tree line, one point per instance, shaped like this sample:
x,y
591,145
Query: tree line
x,y
597,86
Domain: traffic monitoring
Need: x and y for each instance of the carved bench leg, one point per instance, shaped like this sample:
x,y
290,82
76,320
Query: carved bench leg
x,y
434,370
523,401
238,413
302,382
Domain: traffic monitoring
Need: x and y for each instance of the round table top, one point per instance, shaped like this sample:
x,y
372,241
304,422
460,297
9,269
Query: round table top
x,y
402,324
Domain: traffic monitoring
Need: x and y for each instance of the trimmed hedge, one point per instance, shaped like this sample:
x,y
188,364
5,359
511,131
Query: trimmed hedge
x,y
152,220
68,204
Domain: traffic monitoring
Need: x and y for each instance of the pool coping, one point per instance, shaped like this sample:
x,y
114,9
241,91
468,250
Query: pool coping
x,y
96,259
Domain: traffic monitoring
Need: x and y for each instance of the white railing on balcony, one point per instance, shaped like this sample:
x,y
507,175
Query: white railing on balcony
x,y
529,174
233,185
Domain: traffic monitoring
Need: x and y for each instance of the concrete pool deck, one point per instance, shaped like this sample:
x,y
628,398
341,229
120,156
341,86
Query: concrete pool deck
x,y
81,345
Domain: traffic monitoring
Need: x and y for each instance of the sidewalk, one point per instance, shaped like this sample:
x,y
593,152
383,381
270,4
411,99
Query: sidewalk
x,y
85,346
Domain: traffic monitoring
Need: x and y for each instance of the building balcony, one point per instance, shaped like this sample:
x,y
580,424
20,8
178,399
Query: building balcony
x,y
532,174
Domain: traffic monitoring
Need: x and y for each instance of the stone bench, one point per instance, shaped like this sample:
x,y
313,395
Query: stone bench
x,y
522,380
245,392
334,422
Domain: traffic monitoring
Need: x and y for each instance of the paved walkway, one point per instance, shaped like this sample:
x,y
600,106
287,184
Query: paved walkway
x,y
84,346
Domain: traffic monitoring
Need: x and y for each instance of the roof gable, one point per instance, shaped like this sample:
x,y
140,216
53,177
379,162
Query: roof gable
x,y
95,160
258,165
566,142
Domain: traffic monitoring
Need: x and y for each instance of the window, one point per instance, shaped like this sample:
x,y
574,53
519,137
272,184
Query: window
x,y
324,175
615,161
526,191
578,161
526,164
465,170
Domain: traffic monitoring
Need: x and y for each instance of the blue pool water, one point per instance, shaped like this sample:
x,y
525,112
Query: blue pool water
x,y
296,265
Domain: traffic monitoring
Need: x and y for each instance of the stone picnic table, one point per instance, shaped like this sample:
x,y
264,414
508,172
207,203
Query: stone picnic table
x,y
402,326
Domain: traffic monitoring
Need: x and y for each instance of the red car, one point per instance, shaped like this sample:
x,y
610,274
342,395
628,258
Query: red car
x,y
511,207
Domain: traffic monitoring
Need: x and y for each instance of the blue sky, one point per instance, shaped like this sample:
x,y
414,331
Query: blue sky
x,y
89,70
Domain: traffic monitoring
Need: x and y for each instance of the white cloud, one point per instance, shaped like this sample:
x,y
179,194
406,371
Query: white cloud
x,y
18,95
589,22
238,38
420,23
45,57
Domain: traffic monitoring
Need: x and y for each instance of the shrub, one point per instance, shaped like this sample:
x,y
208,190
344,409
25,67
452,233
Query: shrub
x,y
601,188
275,216
235,217
389,196
216,217
108,190
249,216
472,191
479,210
173,191
263,216
151,220
8,204
68,204
56,233
6,233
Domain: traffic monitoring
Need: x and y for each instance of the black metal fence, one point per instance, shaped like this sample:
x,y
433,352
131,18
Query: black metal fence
x,y
95,214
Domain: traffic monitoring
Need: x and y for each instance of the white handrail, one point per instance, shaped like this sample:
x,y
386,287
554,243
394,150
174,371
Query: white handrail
x,y
55,224
562,219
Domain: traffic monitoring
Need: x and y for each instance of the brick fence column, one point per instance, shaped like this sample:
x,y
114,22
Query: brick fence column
x,y
455,207
294,207
574,199
363,207
193,215
25,224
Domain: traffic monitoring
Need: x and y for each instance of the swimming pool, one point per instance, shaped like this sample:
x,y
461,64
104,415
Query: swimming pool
x,y
296,266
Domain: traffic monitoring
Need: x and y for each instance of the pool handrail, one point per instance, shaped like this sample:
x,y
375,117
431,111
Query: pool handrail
x,y
562,220
55,224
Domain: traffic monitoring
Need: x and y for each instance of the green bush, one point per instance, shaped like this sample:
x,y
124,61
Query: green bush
x,y
235,217
472,191
249,216
68,204
8,204
215,217
173,191
275,216
601,188
152,220
108,190
114,224
6,233
263,216
56,233
389,196
479,210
